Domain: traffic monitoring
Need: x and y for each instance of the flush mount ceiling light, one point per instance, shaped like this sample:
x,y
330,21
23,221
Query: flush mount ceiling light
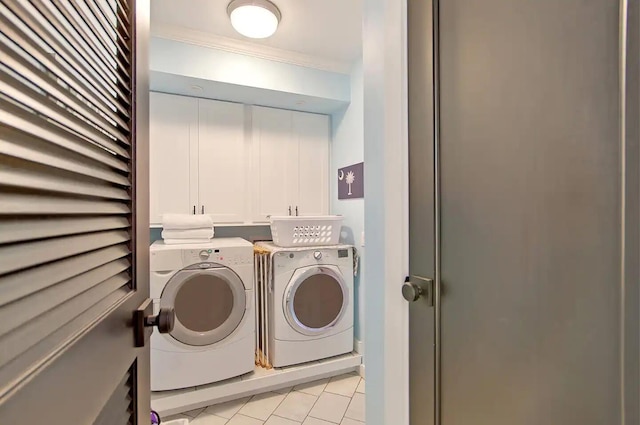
x,y
254,18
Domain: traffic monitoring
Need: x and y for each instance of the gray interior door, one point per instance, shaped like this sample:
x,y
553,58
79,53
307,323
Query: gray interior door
x,y
74,232
535,197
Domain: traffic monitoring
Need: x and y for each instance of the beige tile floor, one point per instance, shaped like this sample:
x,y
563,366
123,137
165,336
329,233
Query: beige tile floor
x,y
339,400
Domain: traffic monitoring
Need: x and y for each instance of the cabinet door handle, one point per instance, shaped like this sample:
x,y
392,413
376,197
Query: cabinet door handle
x,y
296,210
194,209
289,209
203,209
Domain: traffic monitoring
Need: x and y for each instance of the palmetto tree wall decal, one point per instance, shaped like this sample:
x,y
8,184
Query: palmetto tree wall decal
x,y
350,179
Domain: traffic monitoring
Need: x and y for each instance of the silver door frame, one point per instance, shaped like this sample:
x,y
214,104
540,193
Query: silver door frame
x,y
140,225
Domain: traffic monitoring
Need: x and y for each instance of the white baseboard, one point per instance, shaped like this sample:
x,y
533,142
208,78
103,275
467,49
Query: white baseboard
x,y
168,403
358,346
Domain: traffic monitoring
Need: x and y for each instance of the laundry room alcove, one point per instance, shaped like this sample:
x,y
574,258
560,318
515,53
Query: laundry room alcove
x,y
243,130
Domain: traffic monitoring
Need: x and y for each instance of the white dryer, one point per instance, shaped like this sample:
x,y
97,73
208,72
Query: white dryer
x,y
310,306
210,286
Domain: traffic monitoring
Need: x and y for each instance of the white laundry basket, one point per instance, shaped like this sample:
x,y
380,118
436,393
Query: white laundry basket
x,y
296,231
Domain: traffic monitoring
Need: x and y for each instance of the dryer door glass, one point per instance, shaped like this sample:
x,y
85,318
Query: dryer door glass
x,y
209,302
204,302
316,300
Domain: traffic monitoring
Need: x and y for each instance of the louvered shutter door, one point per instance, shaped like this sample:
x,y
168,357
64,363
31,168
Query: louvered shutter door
x,y
66,180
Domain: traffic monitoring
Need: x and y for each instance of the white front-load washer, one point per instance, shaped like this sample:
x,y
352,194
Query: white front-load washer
x,y
210,286
311,307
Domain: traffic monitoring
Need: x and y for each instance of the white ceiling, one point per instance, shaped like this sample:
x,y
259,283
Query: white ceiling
x,y
324,29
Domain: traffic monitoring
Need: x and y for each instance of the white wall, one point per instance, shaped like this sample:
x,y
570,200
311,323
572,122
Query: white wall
x,y
347,148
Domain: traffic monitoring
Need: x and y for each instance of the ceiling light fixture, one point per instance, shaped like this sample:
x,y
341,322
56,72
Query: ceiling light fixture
x,y
254,18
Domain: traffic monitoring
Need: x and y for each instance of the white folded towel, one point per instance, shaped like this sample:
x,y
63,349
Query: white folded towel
x,y
186,221
203,233
185,241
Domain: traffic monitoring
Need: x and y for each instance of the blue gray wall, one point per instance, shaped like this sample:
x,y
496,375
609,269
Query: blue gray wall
x,y
348,148
250,233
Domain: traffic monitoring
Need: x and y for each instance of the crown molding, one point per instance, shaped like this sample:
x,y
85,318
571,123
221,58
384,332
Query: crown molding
x,y
214,41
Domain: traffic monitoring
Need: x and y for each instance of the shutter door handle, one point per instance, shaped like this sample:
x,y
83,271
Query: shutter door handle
x,y
194,209
289,209
296,210
144,320
203,209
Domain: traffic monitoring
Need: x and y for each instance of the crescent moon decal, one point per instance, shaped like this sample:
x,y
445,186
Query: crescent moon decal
x,y
340,175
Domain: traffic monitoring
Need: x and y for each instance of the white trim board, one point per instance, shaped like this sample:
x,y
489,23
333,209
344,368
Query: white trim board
x,y
358,346
168,403
232,45
386,211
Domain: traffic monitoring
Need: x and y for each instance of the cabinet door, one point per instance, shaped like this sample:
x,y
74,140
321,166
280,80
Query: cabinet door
x,y
275,163
223,161
311,131
173,126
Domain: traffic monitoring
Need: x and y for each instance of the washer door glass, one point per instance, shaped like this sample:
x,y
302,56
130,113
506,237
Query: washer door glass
x,y
316,299
209,304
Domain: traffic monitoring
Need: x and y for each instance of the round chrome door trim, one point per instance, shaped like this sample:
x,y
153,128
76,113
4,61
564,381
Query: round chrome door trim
x,y
288,306
194,338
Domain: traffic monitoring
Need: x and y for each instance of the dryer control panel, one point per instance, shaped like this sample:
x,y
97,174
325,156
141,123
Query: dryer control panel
x,y
226,256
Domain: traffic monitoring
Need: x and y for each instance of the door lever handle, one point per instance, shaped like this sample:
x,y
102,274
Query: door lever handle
x,y
416,287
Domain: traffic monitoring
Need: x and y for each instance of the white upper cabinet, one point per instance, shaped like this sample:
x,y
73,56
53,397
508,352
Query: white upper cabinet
x,y
290,163
311,131
223,161
173,126
274,162
237,163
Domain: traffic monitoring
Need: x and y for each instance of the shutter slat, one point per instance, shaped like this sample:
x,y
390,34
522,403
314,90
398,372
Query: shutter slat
x,y
19,145
77,66
37,345
18,285
116,410
123,49
122,16
42,104
66,179
21,311
25,337
76,43
29,123
95,27
48,83
21,256
79,31
58,68
12,231
12,203
26,178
